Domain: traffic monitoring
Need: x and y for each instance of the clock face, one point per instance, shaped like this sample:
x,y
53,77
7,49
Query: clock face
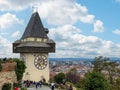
x,y
40,61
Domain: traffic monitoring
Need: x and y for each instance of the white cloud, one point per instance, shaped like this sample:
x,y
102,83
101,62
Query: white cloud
x,y
98,26
15,34
9,19
70,12
69,39
117,0
65,32
117,31
5,48
57,12
7,5
71,43
3,33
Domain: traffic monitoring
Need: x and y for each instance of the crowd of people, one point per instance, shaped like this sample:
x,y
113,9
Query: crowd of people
x,y
28,83
39,84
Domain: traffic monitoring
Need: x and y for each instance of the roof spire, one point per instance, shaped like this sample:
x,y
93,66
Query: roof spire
x,y
35,28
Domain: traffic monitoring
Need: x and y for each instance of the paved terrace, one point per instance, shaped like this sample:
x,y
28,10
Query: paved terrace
x,y
42,88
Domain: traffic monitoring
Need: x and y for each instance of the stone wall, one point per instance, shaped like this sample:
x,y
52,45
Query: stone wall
x,y
7,77
8,66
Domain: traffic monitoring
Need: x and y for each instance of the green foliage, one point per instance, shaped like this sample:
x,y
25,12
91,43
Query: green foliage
x,y
79,89
78,85
20,69
113,70
6,86
59,77
72,76
104,64
99,63
81,83
24,88
16,59
116,86
73,70
51,80
44,83
96,81
60,86
17,85
0,66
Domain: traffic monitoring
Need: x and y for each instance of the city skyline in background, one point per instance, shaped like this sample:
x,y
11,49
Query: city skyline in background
x,y
80,28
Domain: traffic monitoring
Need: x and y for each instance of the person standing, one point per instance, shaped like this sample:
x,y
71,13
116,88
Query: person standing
x,y
40,83
52,86
36,85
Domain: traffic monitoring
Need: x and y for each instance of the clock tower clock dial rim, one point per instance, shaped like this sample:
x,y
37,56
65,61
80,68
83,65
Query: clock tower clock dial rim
x,y
40,61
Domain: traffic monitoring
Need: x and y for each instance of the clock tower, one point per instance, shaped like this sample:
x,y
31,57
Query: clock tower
x,y
34,48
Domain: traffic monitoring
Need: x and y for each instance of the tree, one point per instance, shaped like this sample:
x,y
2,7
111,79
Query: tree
x,y
6,86
99,63
113,70
116,86
96,81
4,59
104,64
19,69
72,76
80,84
59,78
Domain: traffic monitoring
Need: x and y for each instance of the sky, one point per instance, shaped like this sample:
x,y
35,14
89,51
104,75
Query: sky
x,y
80,28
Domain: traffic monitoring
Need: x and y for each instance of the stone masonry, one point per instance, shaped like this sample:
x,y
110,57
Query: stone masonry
x,y
8,75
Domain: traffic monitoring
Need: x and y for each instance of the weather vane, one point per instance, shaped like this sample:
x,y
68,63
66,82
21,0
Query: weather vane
x,y
35,8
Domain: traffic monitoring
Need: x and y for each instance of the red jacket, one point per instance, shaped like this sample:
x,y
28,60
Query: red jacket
x,y
16,88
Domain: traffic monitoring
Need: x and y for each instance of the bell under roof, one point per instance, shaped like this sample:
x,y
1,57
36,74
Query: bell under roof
x,y
34,28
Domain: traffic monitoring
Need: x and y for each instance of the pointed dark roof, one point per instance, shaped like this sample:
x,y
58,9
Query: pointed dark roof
x,y
35,28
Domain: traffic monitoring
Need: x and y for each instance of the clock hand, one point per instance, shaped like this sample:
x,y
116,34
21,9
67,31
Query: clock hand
x,y
40,64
